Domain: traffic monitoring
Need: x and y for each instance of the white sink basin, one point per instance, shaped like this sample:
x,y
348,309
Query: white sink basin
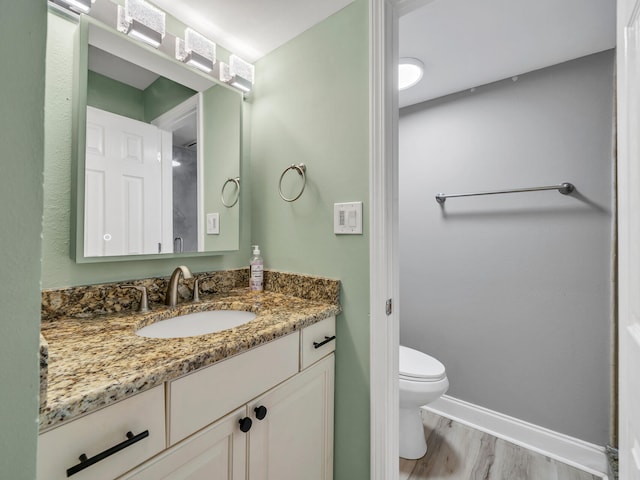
x,y
194,324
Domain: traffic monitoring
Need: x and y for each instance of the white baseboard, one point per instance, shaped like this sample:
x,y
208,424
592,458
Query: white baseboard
x,y
572,451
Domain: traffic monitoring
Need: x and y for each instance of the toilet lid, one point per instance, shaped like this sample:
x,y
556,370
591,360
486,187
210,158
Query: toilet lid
x,y
418,366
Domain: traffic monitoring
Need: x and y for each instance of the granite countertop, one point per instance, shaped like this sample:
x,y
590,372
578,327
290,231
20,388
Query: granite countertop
x,y
95,360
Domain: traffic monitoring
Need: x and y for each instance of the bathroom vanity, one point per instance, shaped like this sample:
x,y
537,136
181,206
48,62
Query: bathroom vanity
x,y
255,401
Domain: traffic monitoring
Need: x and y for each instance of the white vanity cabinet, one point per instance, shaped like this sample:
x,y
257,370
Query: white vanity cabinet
x,y
264,414
289,437
289,429
102,432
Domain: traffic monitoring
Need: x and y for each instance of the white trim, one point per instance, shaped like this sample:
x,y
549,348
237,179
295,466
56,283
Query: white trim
x,y
383,228
572,451
177,113
628,95
201,139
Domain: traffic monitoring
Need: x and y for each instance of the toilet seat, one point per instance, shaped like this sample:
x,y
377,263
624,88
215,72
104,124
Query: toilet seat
x,y
417,366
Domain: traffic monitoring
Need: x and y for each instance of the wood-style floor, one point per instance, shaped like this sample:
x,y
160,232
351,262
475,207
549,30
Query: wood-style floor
x,y
458,452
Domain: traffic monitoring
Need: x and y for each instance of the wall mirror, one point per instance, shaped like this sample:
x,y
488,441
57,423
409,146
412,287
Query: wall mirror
x,y
156,143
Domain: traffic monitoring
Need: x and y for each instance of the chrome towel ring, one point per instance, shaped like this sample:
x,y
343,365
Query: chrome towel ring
x,y
236,181
301,169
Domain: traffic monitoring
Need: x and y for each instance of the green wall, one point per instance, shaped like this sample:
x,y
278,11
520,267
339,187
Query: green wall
x,y
115,97
143,105
310,105
162,95
58,269
22,29
221,117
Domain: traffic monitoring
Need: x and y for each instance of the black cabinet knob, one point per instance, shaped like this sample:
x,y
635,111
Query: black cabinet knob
x,y
245,424
261,412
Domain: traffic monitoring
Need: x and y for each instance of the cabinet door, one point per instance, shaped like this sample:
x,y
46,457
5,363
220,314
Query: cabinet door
x,y
216,453
294,440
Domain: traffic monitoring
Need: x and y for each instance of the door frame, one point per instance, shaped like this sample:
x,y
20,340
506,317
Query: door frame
x,y
384,332
628,95
383,229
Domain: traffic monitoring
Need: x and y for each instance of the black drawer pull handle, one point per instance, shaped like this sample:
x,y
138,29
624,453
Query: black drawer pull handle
x,y
87,462
324,342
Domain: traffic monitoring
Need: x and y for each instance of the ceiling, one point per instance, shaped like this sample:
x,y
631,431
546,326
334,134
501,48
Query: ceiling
x,y
251,28
468,43
462,43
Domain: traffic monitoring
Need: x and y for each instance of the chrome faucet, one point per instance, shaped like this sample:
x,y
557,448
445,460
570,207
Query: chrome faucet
x,y
171,297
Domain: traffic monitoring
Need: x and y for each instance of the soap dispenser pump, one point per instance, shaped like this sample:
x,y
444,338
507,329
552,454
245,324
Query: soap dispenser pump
x,y
256,268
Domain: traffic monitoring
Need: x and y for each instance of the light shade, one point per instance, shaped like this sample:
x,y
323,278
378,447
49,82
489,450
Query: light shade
x,y
196,50
78,6
240,68
410,72
142,21
238,73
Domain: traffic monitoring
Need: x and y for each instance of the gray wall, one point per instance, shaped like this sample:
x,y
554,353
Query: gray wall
x,y
513,292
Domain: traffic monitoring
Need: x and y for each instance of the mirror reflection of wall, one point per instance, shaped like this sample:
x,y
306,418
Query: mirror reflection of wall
x,y
121,87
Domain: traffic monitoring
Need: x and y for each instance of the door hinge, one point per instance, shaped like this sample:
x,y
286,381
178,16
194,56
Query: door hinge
x,y
389,307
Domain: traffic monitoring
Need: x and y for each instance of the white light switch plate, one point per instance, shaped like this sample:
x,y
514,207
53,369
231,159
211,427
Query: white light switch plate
x,y
347,218
213,224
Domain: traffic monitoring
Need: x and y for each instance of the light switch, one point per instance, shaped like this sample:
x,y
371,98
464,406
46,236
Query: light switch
x,y
213,224
347,218
352,219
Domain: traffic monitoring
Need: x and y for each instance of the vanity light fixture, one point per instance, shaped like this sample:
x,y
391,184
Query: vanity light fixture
x,y
196,50
238,73
78,6
410,72
142,21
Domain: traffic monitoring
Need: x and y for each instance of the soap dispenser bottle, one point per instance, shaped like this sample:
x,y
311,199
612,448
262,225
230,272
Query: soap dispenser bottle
x,y
256,267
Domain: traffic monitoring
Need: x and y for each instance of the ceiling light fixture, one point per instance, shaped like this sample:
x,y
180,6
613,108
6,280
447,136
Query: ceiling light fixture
x,y
142,21
196,50
410,72
238,73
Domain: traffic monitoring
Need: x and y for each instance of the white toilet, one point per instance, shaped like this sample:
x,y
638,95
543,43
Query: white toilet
x,y
422,380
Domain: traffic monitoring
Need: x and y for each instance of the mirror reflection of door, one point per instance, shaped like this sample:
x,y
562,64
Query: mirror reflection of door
x,y
122,186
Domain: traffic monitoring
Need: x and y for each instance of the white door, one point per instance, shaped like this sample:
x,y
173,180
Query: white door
x,y
123,188
628,65
294,438
216,453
